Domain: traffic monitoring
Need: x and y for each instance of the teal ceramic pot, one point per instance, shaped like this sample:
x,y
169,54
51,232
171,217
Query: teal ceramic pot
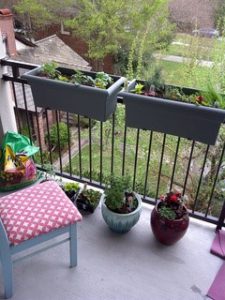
x,y
121,223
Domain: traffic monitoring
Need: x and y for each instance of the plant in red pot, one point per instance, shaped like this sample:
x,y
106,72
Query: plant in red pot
x,y
169,218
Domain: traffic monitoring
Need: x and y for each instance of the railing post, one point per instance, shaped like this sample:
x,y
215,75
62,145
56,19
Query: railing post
x,y
7,115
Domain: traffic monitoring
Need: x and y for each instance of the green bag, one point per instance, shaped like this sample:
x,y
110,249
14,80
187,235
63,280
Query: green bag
x,y
17,168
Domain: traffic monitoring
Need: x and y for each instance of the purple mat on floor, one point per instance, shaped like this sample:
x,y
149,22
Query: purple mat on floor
x,y
218,245
217,289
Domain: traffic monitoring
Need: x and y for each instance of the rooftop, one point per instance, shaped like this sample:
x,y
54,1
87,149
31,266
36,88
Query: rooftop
x,y
52,48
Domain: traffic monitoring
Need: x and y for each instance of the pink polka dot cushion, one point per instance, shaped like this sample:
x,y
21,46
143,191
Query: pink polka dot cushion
x,y
36,210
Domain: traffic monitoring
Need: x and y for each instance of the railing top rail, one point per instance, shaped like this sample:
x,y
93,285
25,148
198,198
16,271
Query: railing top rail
x,y
18,64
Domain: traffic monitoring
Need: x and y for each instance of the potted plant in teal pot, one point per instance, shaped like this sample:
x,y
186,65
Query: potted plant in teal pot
x,y
174,110
121,207
169,219
90,94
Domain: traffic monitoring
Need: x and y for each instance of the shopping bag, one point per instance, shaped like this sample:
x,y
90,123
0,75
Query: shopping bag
x,y
17,168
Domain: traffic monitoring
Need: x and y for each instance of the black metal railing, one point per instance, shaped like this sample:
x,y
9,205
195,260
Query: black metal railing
x,y
93,150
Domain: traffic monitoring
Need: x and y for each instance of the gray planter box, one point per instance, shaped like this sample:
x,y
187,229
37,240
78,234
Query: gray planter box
x,y
84,100
173,117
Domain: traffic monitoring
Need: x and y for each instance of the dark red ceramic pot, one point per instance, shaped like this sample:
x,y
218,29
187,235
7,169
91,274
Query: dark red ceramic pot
x,y
168,232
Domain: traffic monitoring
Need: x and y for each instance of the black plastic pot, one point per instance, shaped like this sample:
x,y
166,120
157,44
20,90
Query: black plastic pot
x,y
84,100
181,119
84,204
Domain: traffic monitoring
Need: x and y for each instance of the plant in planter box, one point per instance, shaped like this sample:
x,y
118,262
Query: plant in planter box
x,y
88,199
121,207
174,110
90,94
71,189
169,219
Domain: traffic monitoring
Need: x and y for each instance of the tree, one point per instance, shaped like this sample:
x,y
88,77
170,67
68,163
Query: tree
x,y
40,13
107,26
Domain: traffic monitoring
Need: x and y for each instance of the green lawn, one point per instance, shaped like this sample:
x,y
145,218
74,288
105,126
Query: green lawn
x,y
154,166
180,74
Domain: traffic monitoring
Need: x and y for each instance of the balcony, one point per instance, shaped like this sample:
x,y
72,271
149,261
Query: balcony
x,y
131,266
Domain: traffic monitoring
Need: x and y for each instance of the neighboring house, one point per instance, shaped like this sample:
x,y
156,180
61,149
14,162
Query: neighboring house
x,y
51,48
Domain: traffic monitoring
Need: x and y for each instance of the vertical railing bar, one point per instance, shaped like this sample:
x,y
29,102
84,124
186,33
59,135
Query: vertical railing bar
x,y
48,136
39,135
101,151
160,166
26,110
136,158
69,143
58,138
124,149
147,165
79,145
188,168
112,144
16,103
200,179
90,151
175,163
215,180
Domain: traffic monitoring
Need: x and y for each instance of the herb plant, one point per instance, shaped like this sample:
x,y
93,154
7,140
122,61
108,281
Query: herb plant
x,y
71,186
119,196
102,80
50,70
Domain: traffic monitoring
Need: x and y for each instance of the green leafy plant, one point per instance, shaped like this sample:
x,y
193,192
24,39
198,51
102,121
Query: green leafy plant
x,y
92,195
63,135
167,213
171,206
80,78
119,196
71,186
71,189
88,199
138,89
212,97
156,80
50,70
50,171
102,80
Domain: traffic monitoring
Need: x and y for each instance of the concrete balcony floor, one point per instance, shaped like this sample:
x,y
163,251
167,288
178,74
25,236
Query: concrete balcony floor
x,y
119,267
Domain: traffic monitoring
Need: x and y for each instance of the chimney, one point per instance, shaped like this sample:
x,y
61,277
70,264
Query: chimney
x,y
7,29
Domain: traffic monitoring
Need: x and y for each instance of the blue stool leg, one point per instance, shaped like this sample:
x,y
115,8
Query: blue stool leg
x,y
73,245
7,275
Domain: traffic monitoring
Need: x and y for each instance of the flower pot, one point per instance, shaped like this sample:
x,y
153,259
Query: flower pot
x,y
72,194
85,204
91,102
181,119
121,223
168,232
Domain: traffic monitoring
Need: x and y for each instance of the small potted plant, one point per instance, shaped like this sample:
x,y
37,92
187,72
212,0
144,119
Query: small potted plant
x,y
121,207
179,111
169,218
88,199
90,94
71,189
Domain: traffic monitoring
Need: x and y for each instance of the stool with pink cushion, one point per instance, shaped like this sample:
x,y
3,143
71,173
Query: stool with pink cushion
x,y
32,216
